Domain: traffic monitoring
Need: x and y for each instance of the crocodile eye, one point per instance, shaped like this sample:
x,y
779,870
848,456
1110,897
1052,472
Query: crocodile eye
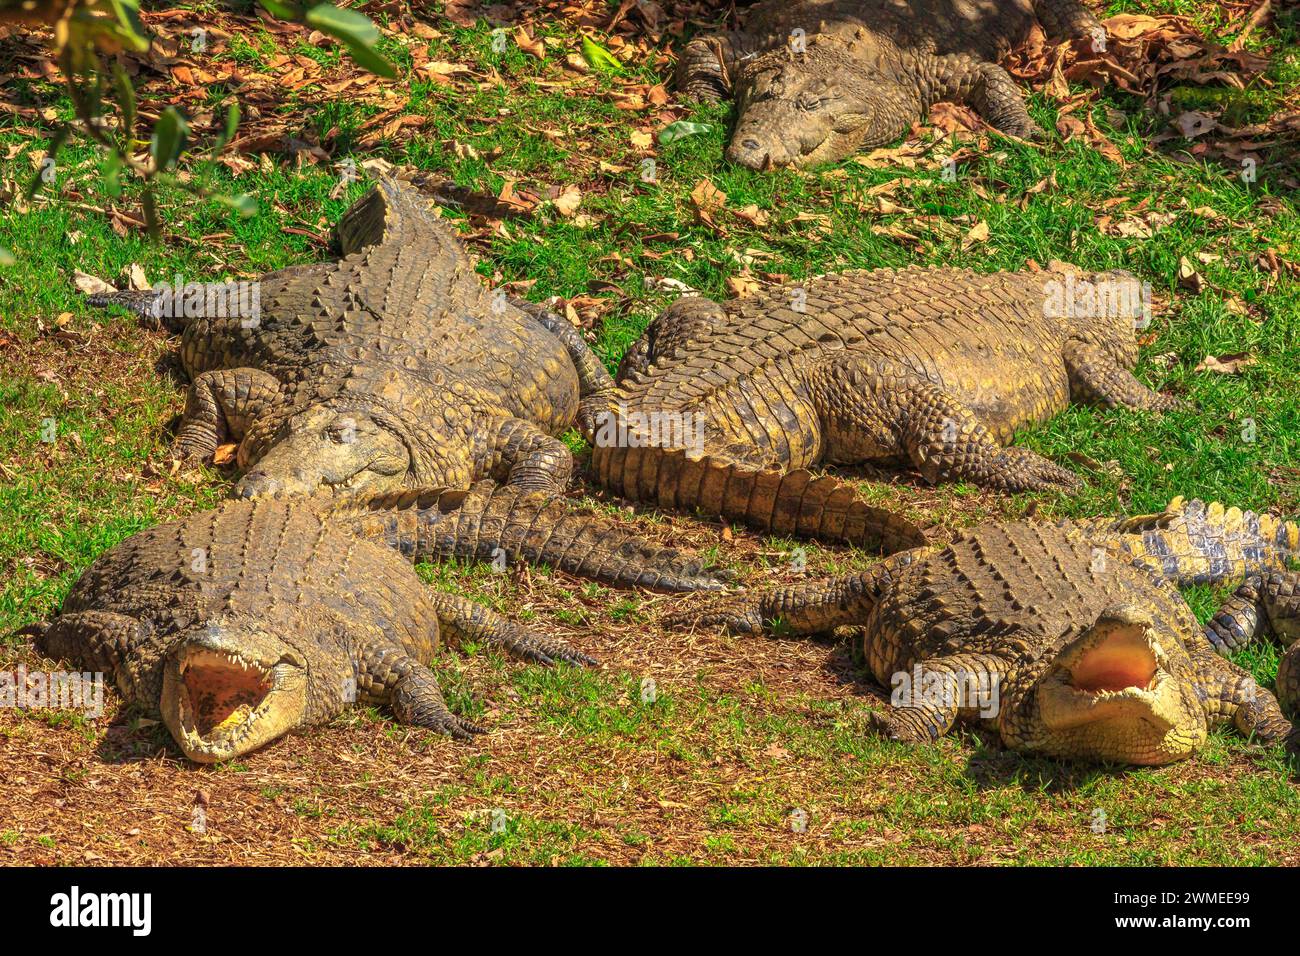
x,y
810,102
342,433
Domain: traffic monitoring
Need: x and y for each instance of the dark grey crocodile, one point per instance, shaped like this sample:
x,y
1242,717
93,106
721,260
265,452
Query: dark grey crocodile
x,y
817,80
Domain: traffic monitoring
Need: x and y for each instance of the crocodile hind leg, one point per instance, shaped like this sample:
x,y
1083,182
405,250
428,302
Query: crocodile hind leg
x,y
688,317
520,454
1096,378
985,87
872,408
1266,603
472,622
388,673
221,405
705,66
812,608
1231,694
950,686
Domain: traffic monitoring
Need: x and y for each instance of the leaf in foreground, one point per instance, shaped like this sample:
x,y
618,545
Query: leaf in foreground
x,y
599,58
680,130
243,204
355,31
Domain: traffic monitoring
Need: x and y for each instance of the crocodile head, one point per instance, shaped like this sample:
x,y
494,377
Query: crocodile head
x,y
228,689
331,448
1122,691
812,108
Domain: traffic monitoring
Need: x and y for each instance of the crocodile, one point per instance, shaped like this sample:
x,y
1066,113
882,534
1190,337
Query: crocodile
x,y
392,367
1067,639
936,367
817,80
269,615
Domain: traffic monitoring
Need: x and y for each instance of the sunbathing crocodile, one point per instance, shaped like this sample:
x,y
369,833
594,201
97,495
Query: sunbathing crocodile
x,y
817,80
1067,639
393,367
261,617
936,367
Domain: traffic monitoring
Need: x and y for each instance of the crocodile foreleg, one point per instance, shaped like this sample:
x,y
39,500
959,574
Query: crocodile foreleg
x,y
221,405
1096,378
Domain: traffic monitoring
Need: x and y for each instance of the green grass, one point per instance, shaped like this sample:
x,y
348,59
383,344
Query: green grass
x,y
964,800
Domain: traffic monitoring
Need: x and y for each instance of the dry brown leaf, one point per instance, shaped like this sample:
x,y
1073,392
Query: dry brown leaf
x,y
567,202
707,199
1193,124
90,285
742,286
225,454
978,233
1188,277
136,279
529,44
1229,364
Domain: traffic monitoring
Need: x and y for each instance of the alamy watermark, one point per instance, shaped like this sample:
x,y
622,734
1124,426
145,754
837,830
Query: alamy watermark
x,y
57,690
654,429
210,300
968,690
1098,298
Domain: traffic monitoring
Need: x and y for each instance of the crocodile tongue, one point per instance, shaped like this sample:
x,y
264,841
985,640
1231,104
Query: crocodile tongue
x,y
1113,671
228,692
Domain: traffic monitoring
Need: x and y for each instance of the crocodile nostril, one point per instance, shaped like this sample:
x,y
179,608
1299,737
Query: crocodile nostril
x,y
254,484
749,143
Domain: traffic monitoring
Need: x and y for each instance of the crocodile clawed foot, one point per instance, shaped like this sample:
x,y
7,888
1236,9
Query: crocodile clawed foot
x,y
594,410
459,728
189,454
893,725
1172,403
1028,130
524,645
735,615
1026,471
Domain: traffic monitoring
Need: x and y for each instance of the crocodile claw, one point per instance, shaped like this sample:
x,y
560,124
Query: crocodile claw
x,y
737,614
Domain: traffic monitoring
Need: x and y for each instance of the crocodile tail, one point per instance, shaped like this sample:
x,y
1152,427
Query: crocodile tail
x,y
1067,19
489,522
147,304
397,214
1192,542
784,502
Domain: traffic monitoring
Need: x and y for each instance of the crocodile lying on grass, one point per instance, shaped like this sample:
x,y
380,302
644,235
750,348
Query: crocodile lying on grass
x,y
861,72
261,617
393,367
936,367
1067,639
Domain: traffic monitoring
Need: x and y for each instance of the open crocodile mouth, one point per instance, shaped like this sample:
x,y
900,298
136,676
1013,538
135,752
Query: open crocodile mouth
x,y
220,704
222,691
1122,662
1117,672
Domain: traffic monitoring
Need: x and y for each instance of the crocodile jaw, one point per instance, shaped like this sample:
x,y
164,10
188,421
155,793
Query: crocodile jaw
x,y
221,700
1111,695
337,451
